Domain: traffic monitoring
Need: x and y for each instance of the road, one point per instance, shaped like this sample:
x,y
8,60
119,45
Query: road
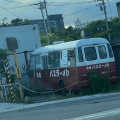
x,y
102,109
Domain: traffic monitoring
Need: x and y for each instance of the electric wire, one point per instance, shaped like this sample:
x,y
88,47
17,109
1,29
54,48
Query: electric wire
x,y
9,11
79,11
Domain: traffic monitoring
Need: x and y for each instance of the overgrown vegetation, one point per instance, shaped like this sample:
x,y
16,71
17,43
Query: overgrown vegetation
x,y
99,84
96,28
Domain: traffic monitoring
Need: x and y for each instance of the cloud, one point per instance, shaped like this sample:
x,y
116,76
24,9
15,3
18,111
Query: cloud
x,y
71,10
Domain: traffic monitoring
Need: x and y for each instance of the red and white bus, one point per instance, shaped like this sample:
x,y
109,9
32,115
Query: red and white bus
x,y
69,64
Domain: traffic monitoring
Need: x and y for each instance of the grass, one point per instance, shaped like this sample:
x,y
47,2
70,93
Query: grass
x,y
98,85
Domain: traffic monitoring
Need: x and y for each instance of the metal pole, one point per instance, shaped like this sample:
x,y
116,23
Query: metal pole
x,y
41,8
106,20
47,17
18,73
9,79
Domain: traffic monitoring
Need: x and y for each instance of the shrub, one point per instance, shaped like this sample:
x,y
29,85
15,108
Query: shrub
x,y
98,84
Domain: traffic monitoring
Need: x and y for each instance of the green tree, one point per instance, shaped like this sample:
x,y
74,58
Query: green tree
x,y
96,28
16,22
3,54
52,38
26,21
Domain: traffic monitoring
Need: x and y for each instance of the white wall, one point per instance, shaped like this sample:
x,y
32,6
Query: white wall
x,y
28,40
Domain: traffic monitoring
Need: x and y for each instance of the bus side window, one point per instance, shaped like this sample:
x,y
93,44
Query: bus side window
x,y
38,62
51,59
71,58
90,53
102,52
44,62
110,51
80,55
57,59
54,59
32,62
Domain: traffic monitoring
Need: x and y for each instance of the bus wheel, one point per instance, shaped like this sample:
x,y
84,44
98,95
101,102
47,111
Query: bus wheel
x,y
63,89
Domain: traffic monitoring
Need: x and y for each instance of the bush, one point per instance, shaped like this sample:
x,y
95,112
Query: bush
x,y
98,84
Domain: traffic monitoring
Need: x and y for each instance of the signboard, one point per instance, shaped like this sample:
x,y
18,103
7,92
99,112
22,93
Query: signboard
x,y
64,61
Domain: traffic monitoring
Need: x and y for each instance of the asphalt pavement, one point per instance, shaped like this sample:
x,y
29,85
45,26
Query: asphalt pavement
x,y
7,107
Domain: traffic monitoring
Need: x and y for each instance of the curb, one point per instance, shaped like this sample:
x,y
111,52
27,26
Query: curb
x,y
84,98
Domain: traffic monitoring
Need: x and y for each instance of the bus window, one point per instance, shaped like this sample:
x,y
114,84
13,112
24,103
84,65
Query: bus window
x,y
71,58
71,53
110,51
90,53
32,63
44,62
57,59
102,52
80,55
38,62
54,59
51,58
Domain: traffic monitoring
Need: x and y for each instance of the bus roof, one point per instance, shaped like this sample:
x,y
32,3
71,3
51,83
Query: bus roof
x,y
70,45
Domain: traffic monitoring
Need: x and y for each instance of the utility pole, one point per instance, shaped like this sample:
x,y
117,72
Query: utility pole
x,y
41,8
18,73
47,17
106,20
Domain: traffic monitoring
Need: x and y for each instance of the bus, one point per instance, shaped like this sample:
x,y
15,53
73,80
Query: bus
x,y
69,64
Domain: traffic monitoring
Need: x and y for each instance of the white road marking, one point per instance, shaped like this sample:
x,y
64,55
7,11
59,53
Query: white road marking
x,y
97,115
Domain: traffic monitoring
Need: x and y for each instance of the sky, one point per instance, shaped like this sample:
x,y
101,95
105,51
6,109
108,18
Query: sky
x,y
84,10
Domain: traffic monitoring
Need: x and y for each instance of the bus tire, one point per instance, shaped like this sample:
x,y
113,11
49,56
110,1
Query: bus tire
x,y
62,87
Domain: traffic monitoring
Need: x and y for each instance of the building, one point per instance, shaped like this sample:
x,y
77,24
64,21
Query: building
x,y
79,25
55,22
28,40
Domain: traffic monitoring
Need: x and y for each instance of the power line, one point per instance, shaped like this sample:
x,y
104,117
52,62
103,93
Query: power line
x,y
15,2
9,11
70,3
49,4
79,11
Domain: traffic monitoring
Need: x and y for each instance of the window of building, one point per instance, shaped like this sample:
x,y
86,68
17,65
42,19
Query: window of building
x,y
80,55
102,52
90,53
110,51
